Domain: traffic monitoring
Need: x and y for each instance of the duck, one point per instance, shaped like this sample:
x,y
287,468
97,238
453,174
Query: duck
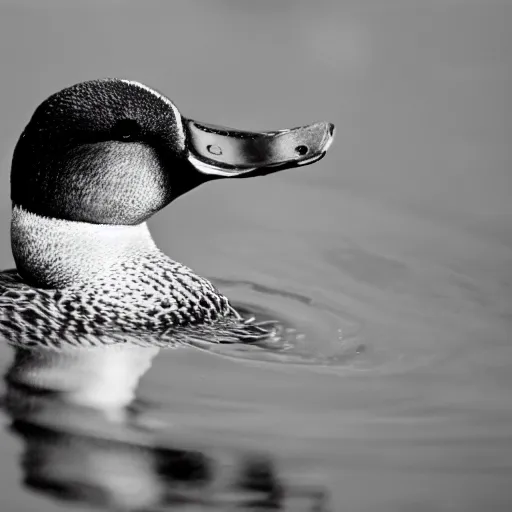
x,y
95,161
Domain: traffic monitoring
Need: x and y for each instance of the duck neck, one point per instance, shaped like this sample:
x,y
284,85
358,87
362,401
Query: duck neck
x,y
55,253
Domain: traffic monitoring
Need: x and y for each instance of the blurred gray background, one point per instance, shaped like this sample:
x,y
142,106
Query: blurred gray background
x,y
405,228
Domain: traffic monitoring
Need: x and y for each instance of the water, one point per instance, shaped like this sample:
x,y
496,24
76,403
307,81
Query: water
x,y
388,262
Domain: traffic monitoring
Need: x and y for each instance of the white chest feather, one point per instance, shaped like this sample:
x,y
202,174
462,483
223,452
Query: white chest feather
x,y
56,253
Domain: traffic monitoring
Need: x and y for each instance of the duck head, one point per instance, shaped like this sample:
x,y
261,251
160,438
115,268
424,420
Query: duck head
x,y
115,152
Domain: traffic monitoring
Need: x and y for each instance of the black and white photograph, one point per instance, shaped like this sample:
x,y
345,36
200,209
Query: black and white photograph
x,y
255,255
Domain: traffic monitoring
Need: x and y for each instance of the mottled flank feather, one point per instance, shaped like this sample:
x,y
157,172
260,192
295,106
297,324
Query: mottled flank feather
x,y
166,305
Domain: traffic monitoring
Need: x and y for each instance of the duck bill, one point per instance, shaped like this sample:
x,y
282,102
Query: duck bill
x,y
217,151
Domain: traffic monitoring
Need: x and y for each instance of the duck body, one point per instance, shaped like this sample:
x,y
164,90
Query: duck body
x,y
96,160
99,279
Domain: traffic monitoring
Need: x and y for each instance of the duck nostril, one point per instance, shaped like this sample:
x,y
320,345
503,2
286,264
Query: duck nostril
x,y
214,149
301,150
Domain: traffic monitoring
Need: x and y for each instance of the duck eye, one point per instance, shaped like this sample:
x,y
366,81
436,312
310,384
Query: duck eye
x,y
126,129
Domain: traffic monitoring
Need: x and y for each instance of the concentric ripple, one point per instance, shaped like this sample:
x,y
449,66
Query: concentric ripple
x,y
302,330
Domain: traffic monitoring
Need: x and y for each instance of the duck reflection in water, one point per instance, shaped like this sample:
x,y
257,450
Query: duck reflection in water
x,y
86,440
